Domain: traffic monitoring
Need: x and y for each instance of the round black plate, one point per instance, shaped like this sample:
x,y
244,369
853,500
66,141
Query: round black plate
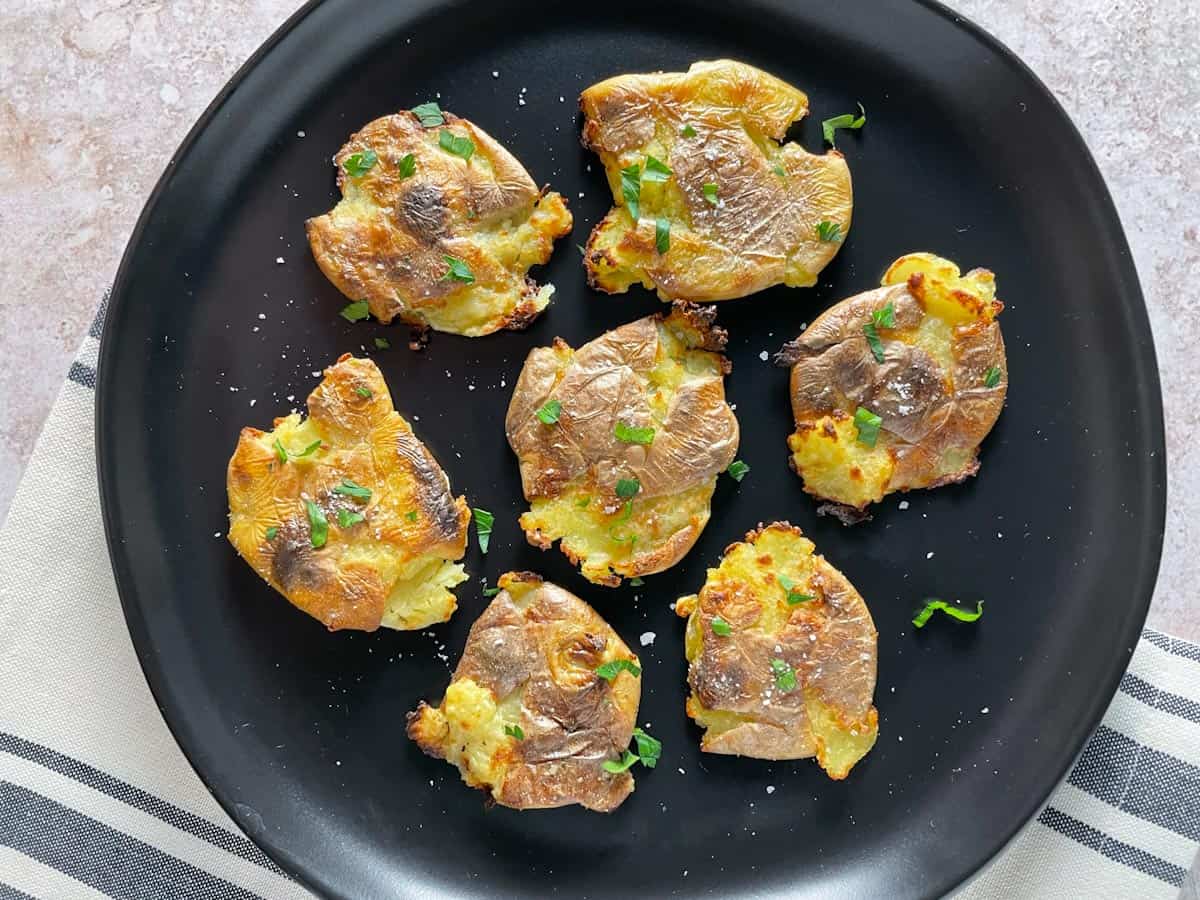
x,y
300,733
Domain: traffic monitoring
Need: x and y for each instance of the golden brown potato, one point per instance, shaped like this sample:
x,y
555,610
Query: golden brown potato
x,y
624,473
781,655
447,244
346,513
526,717
741,211
936,380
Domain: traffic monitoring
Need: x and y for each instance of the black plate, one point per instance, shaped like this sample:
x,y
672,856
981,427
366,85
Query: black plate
x,y
300,733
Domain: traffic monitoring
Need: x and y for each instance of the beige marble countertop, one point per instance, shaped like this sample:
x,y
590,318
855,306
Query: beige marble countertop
x,y
96,94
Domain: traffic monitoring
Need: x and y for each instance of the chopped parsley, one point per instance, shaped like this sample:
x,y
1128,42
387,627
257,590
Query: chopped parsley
x,y
649,748
932,605
636,581
618,766
611,669
317,523
458,271
785,675
349,489
884,318
709,189
430,114
794,596
363,392
407,165
631,189
483,527
849,121
633,434
737,470
867,424
721,627
583,502
829,232
628,488
272,532
359,164
662,234
656,172
281,451
356,311
779,170
456,145
549,413
514,731
411,515
347,517
873,341
309,450
991,377
383,344
688,131
491,591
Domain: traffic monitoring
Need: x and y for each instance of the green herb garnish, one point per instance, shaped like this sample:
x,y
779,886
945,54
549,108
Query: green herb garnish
x,y
272,532
884,318
309,450
628,488
350,489
583,502
627,760
721,627
932,605
662,234
411,515
873,341
709,189
867,424
991,377
656,172
794,596
737,470
849,121
363,392
636,581
317,523
430,114
631,189
549,413
356,311
649,749
456,145
483,527
359,164
609,670
633,434
383,344
785,675
407,166
280,451
779,170
491,591
458,271
688,131
347,517
829,232
514,731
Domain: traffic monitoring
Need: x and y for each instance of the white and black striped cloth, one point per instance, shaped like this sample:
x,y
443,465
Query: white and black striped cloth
x,y
96,800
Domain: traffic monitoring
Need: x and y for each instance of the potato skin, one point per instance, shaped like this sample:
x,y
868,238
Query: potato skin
x,y
530,662
665,372
828,640
930,390
386,241
762,230
413,527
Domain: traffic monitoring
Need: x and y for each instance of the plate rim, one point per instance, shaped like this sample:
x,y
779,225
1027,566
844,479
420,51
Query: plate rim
x,y
1153,531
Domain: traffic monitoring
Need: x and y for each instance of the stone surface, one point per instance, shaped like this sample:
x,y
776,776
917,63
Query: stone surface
x,y
96,94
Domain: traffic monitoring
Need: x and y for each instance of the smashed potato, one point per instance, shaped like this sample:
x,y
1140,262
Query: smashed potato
x,y
437,226
346,513
895,388
620,442
526,716
781,655
709,204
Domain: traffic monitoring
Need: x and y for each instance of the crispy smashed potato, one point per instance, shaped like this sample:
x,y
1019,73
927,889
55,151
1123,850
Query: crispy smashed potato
x,y
781,655
435,239
526,717
937,391
620,442
346,513
698,154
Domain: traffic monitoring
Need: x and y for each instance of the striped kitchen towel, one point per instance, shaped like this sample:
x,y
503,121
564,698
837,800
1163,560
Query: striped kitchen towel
x,y
96,799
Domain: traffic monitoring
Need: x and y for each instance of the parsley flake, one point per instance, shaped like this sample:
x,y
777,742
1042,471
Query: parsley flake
x,y
611,669
363,392
456,145
649,749
549,413
349,489
583,502
829,232
616,767
737,470
873,341
272,532
407,166
411,515
794,596
780,171
347,517
280,451
688,131
430,114
491,591
633,434
867,424
458,271
991,377
309,450
317,523
785,675
884,318
636,581
631,189
656,172
720,627
628,488
709,189
359,164
383,344
849,121
514,731
483,527
932,605
356,311
662,234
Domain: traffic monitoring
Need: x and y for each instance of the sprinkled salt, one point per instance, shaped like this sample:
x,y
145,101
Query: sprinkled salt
x,y
300,134
764,356
929,555
647,638
985,710
904,504
770,788
279,260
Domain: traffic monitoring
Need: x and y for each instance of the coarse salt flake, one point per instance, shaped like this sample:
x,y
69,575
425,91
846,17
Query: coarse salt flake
x,y
647,638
